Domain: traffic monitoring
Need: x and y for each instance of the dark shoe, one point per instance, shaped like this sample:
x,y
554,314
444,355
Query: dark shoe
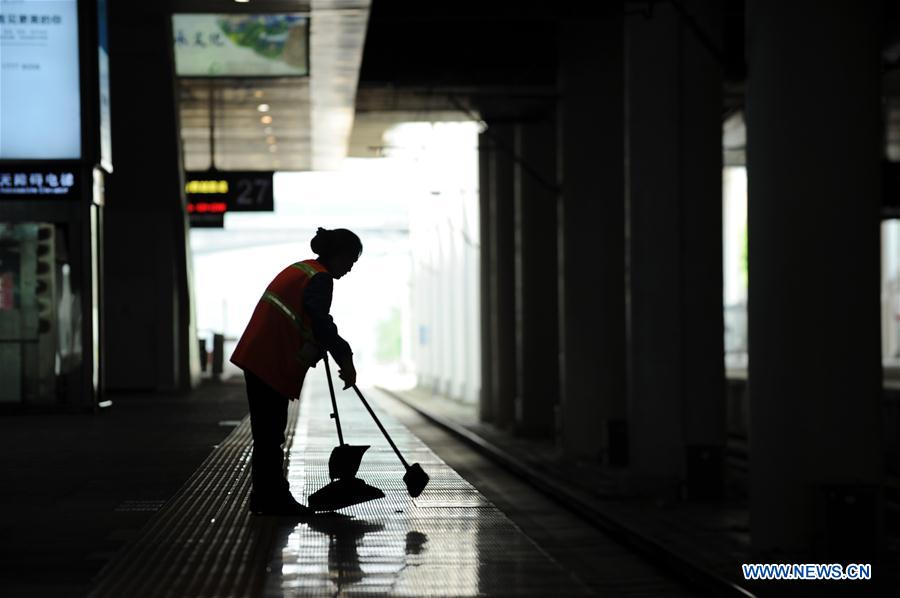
x,y
282,505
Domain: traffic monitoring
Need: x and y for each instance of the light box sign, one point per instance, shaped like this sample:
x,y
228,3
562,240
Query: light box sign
x,y
103,72
39,182
241,45
40,97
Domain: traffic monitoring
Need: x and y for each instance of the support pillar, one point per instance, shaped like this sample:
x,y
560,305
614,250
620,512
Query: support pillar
x,y
502,276
590,236
674,211
150,334
537,328
485,398
814,172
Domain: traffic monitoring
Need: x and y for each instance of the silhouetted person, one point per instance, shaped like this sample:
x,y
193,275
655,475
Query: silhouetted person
x,y
288,333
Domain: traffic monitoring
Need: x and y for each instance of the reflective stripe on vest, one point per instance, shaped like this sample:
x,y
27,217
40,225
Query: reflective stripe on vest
x,y
306,269
275,300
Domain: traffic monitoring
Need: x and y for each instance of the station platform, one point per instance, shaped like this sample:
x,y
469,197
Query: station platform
x,y
452,540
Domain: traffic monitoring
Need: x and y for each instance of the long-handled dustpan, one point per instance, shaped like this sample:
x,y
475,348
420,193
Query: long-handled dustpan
x,y
415,477
345,458
344,489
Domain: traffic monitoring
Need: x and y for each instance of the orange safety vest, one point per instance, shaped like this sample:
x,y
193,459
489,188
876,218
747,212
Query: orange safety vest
x,y
278,345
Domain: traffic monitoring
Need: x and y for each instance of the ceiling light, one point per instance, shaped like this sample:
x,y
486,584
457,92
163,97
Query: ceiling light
x,y
270,140
273,148
266,120
242,1
263,107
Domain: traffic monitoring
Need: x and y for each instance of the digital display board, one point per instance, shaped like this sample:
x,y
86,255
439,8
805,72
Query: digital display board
x,y
241,45
217,192
40,96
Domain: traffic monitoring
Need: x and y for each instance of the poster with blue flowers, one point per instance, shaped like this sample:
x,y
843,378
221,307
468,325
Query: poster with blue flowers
x,y
241,45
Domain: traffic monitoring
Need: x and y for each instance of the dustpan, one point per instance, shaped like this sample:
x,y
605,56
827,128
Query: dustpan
x,y
345,489
345,458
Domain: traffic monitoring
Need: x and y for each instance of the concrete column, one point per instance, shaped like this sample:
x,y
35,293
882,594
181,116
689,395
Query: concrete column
x,y
537,326
502,277
674,212
150,334
814,171
590,235
485,395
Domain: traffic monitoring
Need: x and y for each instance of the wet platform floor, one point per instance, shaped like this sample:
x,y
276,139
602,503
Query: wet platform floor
x,y
450,541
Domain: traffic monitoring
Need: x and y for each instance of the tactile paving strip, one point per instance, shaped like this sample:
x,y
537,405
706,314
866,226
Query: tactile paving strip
x,y
203,542
450,541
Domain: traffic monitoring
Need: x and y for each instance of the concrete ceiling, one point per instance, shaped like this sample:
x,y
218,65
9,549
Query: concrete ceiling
x,y
310,118
242,140
336,48
499,58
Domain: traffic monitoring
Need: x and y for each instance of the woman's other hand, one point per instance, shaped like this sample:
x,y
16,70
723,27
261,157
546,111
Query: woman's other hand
x,y
348,375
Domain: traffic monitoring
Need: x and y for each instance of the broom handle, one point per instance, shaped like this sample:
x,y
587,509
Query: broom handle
x,y
337,418
383,431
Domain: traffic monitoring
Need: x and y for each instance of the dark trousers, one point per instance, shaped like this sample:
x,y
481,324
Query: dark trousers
x,y
268,419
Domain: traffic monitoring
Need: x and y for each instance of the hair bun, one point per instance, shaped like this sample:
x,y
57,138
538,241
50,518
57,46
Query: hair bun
x,y
327,243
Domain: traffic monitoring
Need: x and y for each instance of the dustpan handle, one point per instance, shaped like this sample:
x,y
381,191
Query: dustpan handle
x,y
337,418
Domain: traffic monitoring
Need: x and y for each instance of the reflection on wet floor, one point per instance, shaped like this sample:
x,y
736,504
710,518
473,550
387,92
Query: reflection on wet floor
x,y
341,534
448,541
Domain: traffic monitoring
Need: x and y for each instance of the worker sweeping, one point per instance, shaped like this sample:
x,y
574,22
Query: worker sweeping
x,y
289,332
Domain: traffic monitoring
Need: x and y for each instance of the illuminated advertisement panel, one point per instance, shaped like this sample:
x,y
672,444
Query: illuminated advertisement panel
x,y
244,45
40,103
103,71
